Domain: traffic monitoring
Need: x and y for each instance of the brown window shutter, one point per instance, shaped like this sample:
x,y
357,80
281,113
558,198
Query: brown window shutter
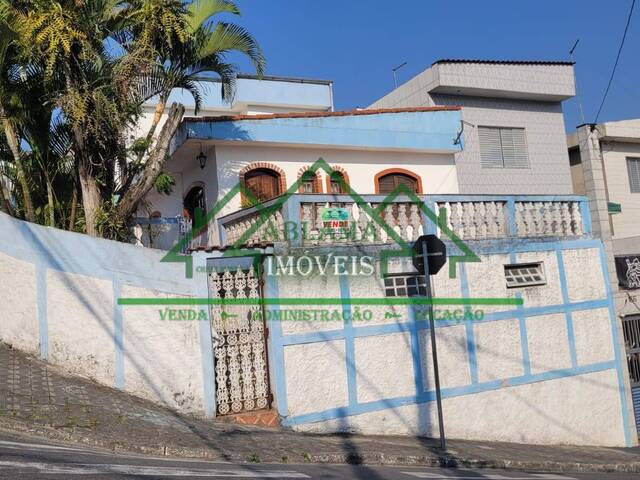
x,y
263,183
390,182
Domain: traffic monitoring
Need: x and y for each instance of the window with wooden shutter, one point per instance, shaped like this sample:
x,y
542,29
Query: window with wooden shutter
x,y
263,183
503,147
633,169
336,181
388,183
309,183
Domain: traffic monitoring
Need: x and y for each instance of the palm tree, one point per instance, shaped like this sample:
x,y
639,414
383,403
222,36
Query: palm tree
x,y
205,52
9,38
178,65
100,89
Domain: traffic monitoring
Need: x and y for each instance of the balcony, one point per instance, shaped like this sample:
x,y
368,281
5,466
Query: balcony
x,y
373,219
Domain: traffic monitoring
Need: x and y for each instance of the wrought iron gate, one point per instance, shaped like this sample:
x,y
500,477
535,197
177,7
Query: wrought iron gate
x,y
239,341
631,329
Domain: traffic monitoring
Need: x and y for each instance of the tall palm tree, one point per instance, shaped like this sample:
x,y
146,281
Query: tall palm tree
x,y
9,40
178,65
100,89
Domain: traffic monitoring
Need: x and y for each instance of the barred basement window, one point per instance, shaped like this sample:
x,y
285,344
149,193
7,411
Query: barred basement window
x,y
503,147
524,275
404,285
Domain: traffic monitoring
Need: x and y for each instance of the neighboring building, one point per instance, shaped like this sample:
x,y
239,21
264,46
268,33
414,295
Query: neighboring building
x,y
605,166
514,131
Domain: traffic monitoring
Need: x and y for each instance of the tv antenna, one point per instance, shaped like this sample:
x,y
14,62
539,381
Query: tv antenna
x,y
394,70
575,81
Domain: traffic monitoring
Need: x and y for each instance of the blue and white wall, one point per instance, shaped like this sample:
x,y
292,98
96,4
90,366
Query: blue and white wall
x,y
548,372
58,300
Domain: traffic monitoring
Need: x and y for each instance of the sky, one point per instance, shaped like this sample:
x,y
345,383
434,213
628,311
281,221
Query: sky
x,y
356,43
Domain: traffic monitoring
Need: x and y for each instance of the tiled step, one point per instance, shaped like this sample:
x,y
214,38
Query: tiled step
x,y
259,418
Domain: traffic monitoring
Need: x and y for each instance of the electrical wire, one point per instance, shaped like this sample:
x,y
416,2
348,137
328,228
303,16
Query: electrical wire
x,y
615,65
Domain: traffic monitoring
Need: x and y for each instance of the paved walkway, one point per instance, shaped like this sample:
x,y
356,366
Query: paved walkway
x,y
35,398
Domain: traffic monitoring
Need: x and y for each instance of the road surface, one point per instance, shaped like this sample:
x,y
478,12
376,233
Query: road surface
x,y
24,458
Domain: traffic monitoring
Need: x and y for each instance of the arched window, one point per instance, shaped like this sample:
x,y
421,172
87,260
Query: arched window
x,y
263,183
337,183
309,182
388,180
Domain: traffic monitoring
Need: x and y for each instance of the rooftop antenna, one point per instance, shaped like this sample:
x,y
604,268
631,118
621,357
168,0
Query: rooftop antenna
x,y
575,81
394,70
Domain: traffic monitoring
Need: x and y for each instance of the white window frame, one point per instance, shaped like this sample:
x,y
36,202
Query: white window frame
x,y
633,172
497,154
522,276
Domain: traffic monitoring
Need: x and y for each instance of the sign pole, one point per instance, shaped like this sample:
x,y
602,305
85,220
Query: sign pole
x,y
434,352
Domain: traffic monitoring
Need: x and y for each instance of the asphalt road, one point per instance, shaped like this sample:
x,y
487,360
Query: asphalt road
x,y
24,458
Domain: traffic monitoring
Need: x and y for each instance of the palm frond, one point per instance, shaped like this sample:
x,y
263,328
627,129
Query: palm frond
x,y
228,37
200,11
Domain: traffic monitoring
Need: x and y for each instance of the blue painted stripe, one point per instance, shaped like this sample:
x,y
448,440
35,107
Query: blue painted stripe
x,y
568,317
430,396
276,352
522,327
471,341
520,245
524,340
416,354
41,295
118,336
399,327
349,343
201,290
622,381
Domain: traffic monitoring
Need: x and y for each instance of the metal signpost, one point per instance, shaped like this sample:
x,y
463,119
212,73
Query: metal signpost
x,y
430,255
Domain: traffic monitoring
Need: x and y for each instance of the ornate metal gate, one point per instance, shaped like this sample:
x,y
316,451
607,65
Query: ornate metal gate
x,y
239,344
631,330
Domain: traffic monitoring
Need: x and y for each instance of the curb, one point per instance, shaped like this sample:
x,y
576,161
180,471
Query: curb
x,y
368,458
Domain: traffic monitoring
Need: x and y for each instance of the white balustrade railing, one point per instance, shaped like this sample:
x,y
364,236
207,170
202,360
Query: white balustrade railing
x,y
368,223
255,228
553,218
376,222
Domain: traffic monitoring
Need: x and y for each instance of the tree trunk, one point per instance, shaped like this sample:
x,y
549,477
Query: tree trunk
x,y
90,198
51,203
157,115
12,140
74,207
157,157
5,205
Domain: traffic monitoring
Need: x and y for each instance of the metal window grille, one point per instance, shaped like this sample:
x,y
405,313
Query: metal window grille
x,y
404,285
631,330
633,169
503,147
524,275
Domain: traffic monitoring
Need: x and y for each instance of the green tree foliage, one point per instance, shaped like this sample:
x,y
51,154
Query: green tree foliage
x,y
74,76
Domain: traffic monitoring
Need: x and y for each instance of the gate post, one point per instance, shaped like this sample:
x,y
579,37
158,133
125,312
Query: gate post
x,y
201,293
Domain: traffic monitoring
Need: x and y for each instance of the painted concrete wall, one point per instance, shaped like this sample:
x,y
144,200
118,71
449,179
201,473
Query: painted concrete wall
x,y
625,224
59,300
524,96
548,372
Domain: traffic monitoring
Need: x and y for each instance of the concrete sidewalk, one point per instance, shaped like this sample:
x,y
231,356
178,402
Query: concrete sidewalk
x,y
35,398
